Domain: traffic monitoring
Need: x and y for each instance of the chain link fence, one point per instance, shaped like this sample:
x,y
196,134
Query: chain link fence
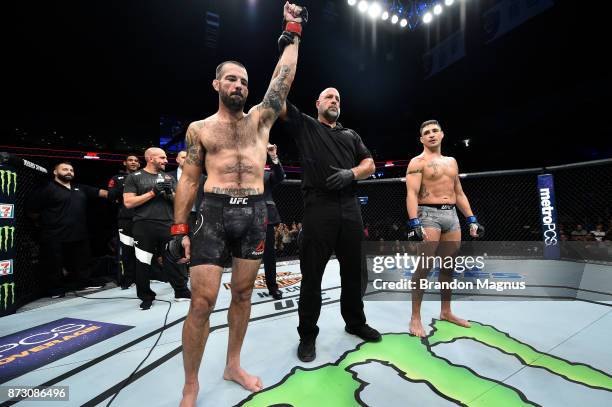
x,y
507,203
584,195
19,254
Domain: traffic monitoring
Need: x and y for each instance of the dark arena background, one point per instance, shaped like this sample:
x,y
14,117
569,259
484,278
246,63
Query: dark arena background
x,y
521,91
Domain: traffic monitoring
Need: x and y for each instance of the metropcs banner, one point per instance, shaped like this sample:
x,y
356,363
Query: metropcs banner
x,y
548,216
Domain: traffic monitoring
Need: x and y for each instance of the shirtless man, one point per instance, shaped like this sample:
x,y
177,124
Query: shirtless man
x,y
433,191
233,215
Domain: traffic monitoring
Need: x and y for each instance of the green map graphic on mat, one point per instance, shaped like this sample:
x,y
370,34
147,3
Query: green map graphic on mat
x,y
337,385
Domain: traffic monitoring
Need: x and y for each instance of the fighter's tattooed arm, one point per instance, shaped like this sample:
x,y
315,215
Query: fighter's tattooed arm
x,y
277,92
273,103
237,192
195,150
414,178
187,187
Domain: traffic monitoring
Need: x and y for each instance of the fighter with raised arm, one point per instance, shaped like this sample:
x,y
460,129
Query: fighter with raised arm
x,y
232,218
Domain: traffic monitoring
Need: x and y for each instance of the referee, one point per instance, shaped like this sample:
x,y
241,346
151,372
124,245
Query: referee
x,y
150,192
333,157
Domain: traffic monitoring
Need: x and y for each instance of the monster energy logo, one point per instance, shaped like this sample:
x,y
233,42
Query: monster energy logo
x,y
8,179
4,293
5,233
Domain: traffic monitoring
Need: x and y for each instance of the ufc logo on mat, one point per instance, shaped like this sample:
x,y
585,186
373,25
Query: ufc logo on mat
x,y
236,201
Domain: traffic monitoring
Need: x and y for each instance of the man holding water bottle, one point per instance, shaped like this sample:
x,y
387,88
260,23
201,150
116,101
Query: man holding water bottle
x,y
150,192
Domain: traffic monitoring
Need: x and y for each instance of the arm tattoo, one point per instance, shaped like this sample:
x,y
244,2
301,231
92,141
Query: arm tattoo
x,y
194,148
417,171
278,91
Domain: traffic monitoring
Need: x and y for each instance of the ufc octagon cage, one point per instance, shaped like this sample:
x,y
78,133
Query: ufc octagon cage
x,y
541,204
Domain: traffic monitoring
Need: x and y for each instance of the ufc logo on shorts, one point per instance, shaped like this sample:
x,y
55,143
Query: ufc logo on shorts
x,y
236,201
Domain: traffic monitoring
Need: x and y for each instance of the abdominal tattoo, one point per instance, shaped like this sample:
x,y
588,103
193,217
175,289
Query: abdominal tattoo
x,y
238,192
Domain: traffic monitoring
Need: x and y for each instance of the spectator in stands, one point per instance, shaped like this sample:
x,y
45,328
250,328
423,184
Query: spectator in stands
x,y
599,232
579,232
278,237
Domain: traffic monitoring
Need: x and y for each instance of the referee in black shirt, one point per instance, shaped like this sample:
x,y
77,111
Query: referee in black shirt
x,y
332,158
150,192
124,223
60,207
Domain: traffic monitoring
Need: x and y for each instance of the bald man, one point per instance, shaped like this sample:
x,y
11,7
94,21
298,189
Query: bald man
x,y
333,158
150,193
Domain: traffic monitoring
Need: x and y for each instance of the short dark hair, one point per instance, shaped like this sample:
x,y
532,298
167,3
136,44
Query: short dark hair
x,y
222,64
132,155
427,123
63,162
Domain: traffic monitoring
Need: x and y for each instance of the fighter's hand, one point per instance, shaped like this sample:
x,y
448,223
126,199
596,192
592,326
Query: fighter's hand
x,y
187,247
178,249
476,229
416,231
292,12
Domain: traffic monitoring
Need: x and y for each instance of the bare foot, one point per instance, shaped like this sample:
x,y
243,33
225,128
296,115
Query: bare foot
x,y
416,327
190,395
240,376
450,317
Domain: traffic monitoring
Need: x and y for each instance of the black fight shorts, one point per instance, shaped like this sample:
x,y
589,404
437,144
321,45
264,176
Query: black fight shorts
x,y
228,227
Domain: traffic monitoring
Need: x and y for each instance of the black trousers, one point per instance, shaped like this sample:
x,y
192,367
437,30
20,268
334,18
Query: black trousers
x,y
269,259
149,241
332,222
75,257
127,261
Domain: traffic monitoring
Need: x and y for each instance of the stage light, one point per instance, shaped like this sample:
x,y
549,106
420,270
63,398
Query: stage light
x,y
404,22
363,6
449,3
437,9
394,19
385,15
427,18
374,10
352,2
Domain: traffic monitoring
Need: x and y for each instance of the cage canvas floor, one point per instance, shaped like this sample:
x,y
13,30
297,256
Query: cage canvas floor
x,y
549,353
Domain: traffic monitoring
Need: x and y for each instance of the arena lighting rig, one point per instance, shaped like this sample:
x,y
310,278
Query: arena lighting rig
x,y
409,14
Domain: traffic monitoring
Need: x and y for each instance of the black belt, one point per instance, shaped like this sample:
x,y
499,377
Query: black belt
x,y
440,206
